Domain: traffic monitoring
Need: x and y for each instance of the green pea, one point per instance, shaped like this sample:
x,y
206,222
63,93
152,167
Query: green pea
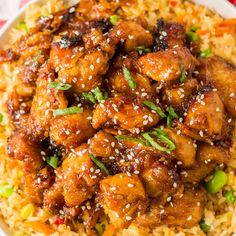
x,y
230,197
217,182
5,190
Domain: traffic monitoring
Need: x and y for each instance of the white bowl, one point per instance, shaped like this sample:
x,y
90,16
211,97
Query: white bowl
x,y
223,7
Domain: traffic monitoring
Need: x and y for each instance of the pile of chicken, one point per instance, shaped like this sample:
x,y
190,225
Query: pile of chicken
x,y
105,167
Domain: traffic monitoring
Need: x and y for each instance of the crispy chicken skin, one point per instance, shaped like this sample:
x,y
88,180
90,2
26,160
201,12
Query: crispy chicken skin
x,y
222,76
167,65
114,121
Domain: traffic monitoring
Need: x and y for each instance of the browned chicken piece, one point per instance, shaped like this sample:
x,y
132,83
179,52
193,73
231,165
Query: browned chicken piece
x,y
103,144
208,157
124,112
206,115
178,95
123,197
86,73
168,35
33,51
185,211
18,106
132,34
185,151
78,177
45,100
160,178
167,65
119,84
222,76
36,184
21,148
8,55
71,130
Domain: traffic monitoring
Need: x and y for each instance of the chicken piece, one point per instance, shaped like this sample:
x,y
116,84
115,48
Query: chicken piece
x,y
119,84
168,35
160,178
123,196
71,130
8,55
177,96
86,73
44,101
21,148
167,65
222,76
78,178
132,34
184,211
205,115
208,157
103,144
36,184
124,112
185,151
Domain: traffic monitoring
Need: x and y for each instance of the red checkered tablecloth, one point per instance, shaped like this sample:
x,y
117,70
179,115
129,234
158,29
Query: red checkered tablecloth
x,y
9,7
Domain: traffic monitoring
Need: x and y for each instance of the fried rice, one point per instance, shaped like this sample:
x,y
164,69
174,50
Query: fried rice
x,y
221,40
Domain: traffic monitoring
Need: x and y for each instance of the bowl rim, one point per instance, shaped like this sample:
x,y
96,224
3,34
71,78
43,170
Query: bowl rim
x,y
222,7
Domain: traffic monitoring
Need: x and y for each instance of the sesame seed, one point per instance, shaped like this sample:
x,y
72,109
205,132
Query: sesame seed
x,y
92,67
71,10
128,218
201,133
130,185
217,109
189,218
231,95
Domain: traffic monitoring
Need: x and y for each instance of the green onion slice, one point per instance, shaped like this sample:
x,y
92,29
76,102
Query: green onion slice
x,y
169,120
154,107
204,226
114,19
6,190
68,111
154,143
205,53
142,49
1,117
172,112
89,96
183,76
100,228
129,78
230,197
195,28
23,26
98,94
127,138
99,164
59,85
191,36
52,161
217,182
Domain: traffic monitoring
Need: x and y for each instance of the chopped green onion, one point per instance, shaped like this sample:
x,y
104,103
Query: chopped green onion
x,y
230,197
105,95
5,190
204,226
68,111
195,28
52,161
162,135
127,138
154,143
89,96
114,19
98,94
169,120
59,85
183,76
100,228
155,108
172,112
129,78
191,36
217,182
23,26
142,49
1,117
205,53
99,164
